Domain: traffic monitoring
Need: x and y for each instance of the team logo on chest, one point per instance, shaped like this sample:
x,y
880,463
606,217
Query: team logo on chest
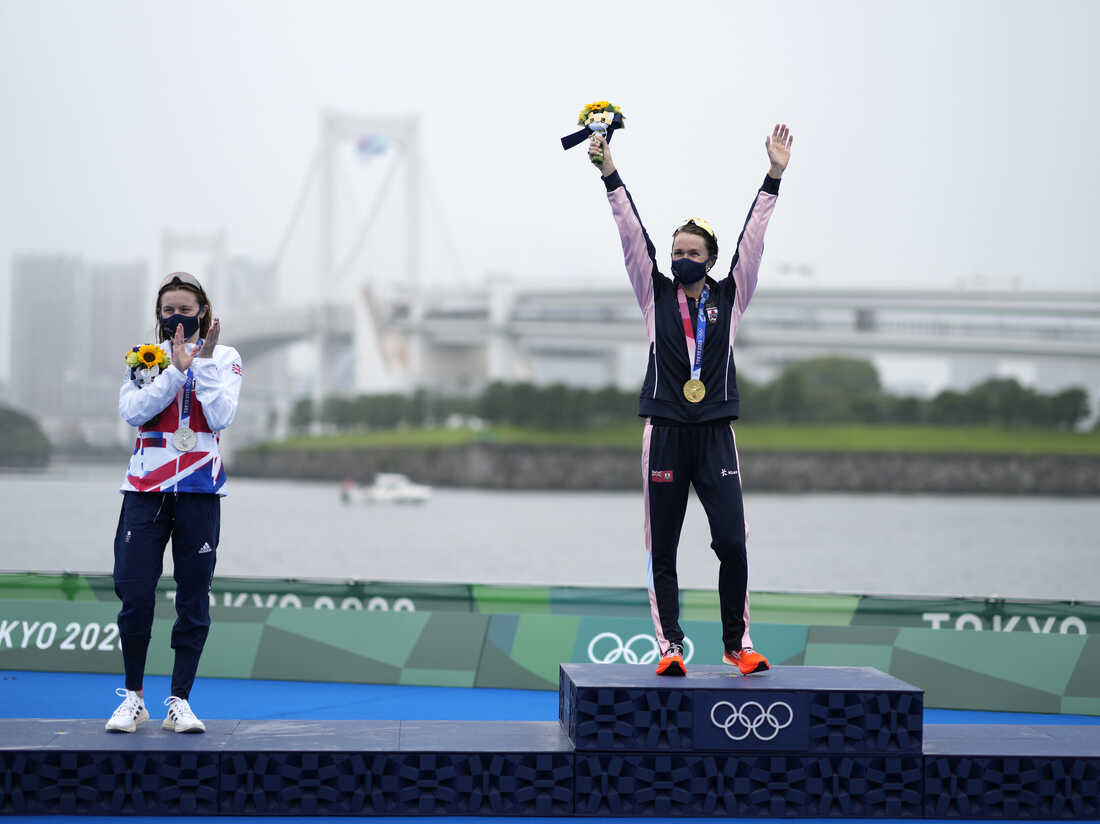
x,y
712,314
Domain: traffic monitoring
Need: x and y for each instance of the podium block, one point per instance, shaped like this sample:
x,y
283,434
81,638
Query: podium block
x,y
288,767
1002,771
792,710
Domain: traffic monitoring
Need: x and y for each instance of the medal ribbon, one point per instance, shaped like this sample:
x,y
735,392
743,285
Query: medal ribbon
x,y
694,342
185,401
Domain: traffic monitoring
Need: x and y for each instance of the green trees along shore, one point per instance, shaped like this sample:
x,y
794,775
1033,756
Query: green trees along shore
x,y
829,404
843,395
22,442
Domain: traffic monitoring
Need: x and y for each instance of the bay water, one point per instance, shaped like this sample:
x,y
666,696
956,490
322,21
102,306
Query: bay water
x,y
64,518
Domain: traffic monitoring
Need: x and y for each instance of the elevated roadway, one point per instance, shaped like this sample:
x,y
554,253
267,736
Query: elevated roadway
x,y
469,330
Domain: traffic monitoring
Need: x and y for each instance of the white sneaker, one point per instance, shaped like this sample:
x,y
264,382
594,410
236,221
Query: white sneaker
x,y
180,718
130,713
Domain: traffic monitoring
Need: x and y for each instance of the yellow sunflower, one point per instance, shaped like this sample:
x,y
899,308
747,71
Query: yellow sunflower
x,y
150,355
587,110
598,106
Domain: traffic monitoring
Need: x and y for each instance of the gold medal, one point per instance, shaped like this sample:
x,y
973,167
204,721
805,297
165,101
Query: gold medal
x,y
694,390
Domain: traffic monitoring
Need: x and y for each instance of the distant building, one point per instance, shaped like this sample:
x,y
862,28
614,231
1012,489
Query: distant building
x,y
71,323
119,315
46,331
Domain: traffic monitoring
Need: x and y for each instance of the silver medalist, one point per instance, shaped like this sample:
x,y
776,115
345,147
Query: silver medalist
x,y
184,439
739,724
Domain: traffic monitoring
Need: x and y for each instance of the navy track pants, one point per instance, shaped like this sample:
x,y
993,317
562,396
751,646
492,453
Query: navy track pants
x,y
146,522
703,456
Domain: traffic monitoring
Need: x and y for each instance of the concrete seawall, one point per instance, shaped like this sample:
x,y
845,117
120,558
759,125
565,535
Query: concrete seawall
x,y
511,466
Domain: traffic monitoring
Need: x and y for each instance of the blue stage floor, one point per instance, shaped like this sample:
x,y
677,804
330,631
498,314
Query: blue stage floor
x,y
84,695
88,819
71,695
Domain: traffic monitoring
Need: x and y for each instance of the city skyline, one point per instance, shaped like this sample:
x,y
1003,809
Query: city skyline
x,y
458,341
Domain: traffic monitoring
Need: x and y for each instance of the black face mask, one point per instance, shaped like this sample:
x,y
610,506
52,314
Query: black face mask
x,y
688,271
190,325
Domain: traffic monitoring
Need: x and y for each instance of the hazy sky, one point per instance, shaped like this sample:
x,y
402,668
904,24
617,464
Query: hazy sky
x,y
933,140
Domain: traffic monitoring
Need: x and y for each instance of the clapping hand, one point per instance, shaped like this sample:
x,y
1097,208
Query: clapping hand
x,y
211,339
182,356
779,149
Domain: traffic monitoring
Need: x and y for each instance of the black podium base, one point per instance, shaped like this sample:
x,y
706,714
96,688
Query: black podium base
x,y
300,768
820,742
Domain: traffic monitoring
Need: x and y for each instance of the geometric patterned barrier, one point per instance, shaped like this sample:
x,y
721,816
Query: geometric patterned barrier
x,y
835,710
303,768
995,771
75,768
797,741
807,741
630,784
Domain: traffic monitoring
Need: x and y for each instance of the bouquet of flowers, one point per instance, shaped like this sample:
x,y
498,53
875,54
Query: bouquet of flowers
x,y
601,118
146,362
602,111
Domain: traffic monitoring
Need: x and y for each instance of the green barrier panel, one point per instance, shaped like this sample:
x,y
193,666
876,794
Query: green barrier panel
x,y
254,592
957,670
990,614
437,649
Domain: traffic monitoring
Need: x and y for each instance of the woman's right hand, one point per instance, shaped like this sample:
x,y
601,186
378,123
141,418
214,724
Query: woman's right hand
x,y
598,146
181,358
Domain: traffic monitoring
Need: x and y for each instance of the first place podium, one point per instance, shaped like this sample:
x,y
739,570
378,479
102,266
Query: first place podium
x,y
802,741
836,742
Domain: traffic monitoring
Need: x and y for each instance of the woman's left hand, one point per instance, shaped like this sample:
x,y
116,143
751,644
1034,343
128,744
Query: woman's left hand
x,y
211,340
779,149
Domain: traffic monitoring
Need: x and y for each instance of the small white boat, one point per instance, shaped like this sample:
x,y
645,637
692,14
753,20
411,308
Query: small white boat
x,y
388,488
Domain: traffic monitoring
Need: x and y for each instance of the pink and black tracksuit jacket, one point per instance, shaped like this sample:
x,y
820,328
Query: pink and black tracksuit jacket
x,y
692,443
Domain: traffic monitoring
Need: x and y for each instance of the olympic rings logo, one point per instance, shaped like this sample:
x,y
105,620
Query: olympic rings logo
x,y
608,647
739,724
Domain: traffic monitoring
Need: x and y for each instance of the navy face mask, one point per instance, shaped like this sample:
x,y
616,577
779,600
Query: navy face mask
x,y
688,271
190,325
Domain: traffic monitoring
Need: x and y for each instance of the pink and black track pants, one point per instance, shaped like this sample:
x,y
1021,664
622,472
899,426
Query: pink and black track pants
x,y
704,455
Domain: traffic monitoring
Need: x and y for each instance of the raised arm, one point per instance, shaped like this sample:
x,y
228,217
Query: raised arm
x,y
217,379
750,245
639,253
218,386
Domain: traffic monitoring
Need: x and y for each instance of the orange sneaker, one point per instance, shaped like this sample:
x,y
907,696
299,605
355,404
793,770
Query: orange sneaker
x,y
672,662
747,660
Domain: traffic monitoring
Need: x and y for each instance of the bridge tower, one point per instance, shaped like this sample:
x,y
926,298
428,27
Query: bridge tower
x,y
183,250
402,134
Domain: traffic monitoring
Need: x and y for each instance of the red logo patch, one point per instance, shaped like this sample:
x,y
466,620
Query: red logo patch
x,y
661,476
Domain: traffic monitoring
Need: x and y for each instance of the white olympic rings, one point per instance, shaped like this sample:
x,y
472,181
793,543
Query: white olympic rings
x,y
741,719
629,650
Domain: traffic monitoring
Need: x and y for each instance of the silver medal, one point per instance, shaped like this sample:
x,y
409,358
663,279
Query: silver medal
x,y
184,439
